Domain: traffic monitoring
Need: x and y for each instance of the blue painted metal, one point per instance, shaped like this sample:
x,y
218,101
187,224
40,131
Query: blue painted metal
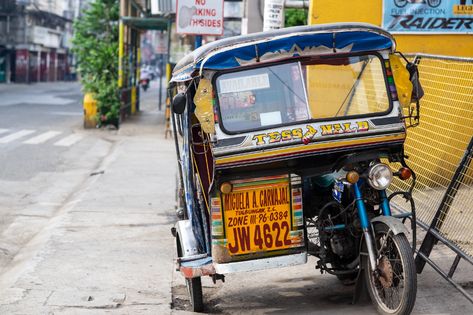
x,y
296,46
197,263
335,227
384,203
360,206
187,167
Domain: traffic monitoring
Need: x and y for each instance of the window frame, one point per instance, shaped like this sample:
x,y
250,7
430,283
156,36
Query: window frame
x,y
302,60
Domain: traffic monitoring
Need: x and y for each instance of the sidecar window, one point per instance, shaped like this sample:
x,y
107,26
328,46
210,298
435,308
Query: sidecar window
x,y
262,97
344,87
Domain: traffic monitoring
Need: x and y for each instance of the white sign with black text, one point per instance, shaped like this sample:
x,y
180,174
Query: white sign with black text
x,y
199,17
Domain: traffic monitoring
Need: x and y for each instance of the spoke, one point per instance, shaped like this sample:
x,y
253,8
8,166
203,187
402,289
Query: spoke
x,y
390,297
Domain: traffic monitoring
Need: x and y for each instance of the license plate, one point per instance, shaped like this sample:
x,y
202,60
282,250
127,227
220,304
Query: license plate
x,y
257,217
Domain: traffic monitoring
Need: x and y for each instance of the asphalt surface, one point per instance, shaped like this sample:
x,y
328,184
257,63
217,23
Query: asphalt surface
x,y
44,156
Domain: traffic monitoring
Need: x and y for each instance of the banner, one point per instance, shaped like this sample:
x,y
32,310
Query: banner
x,y
428,16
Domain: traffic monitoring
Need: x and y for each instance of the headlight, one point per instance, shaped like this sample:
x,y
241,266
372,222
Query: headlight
x,y
380,176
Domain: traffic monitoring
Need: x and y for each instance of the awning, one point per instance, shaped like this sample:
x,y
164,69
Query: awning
x,y
146,23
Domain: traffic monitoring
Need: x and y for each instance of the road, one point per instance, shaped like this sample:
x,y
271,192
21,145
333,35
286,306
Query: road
x,y
45,156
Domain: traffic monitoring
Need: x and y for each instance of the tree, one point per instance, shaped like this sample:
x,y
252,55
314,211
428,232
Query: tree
x,y
294,17
95,45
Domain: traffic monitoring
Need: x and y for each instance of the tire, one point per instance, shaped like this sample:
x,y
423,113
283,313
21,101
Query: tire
x,y
400,272
400,3
194,286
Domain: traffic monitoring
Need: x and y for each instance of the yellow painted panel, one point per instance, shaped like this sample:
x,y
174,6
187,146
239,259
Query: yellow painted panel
x,y
370,11
346,90
327,85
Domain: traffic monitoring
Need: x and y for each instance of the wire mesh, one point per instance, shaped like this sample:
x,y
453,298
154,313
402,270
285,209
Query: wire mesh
x,y
436,147
456,216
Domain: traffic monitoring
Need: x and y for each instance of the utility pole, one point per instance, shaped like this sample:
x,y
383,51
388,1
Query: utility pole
x,y
252,21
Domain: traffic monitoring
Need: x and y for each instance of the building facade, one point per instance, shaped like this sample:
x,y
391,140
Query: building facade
x,y
35,40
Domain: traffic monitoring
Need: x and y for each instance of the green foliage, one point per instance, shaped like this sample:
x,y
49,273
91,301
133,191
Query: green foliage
x,y
294,17
95,45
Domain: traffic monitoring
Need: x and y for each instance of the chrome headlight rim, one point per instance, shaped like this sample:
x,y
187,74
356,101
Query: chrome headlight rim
x,y
380,176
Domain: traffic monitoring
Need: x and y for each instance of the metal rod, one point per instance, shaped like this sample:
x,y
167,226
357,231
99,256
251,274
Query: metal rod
x,y
295,4
445,57
454,266
445,276
369,246
334,227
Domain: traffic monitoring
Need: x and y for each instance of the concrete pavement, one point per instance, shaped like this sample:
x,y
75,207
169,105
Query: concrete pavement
x,y
109,246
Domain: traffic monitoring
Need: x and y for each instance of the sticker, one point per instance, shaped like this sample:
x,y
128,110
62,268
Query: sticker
x,y
337,191
309,133
270,118
343,128
276,136
246,83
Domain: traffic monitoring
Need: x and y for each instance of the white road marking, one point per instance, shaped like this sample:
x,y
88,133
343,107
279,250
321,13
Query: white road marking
x,y
69,140
43,137
16,135
3,130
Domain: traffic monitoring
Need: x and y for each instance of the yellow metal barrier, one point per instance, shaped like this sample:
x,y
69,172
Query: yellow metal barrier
x,y
436,147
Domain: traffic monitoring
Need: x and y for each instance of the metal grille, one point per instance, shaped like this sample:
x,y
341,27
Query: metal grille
x,y
436,149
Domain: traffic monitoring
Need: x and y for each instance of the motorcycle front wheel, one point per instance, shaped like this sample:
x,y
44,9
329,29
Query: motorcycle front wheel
x,y
393,286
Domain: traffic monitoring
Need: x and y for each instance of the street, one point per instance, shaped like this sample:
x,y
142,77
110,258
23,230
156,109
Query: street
x,y
85,218
45,156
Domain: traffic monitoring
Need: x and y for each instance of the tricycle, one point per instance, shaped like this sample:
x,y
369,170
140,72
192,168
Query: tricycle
x,y
287,142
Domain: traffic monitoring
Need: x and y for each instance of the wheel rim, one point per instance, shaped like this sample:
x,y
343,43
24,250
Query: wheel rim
x,y
389,281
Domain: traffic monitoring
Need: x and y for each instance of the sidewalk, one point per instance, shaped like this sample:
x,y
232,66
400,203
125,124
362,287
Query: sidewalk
x,y
110,246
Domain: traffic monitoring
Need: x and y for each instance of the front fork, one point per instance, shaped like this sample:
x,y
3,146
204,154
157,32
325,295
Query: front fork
x,y
365,222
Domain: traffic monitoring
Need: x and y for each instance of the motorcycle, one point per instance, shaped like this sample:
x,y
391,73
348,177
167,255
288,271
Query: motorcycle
x,y
287,142
144,80
430,3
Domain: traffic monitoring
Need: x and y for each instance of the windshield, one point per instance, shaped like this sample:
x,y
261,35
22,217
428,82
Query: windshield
x,y
297,92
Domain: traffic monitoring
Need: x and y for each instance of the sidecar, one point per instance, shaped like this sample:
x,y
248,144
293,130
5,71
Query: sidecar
x,y
267,128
